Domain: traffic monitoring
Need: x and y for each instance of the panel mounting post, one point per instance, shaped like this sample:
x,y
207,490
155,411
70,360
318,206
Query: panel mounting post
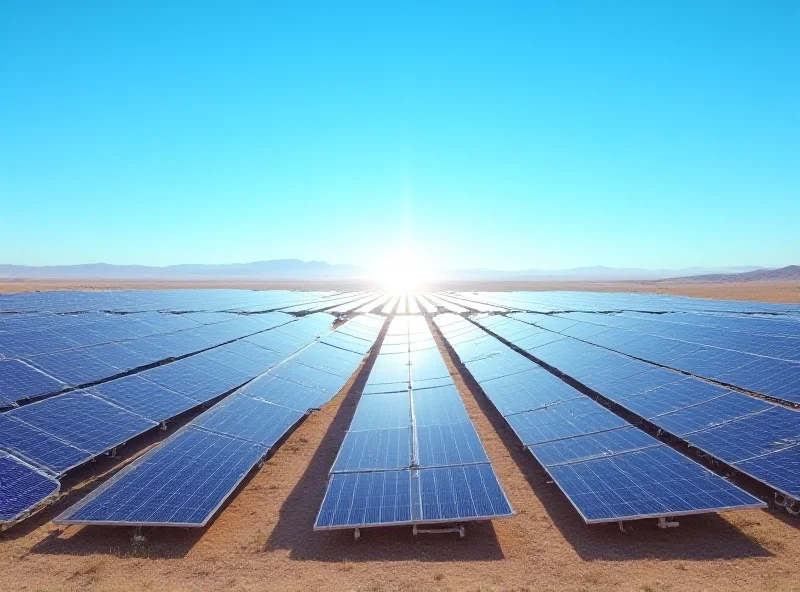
x,y
663,523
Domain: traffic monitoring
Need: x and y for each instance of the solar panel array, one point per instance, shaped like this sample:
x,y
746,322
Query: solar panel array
x,y
411,454
755,436
82,373
120,374
609,469
184,481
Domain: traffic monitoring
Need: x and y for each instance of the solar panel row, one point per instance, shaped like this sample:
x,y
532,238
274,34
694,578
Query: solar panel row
x,y
65,431
609,469
42,374
691,349
186,480
411,454
747,433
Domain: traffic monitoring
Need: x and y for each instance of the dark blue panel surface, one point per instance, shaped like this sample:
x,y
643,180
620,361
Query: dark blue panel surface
x,y
19,381
286,393
590,446
780,470
251,419
711,413
449,444
526,391
21,488
144,397
440,405
183,482
38,447
751,436
363,499
84,421
462,493
563,420
652,482
374,450
74,367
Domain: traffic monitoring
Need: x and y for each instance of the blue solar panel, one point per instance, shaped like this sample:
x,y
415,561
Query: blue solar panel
x,y
183,482
590,446
144,397
18,382
711,413
392,410
462,493
39,447
250,419
286,393
449,444
652,482
607,467
83,420
780,469
526,391
366,499
74,367
440,405
751,436
374,450
22,488
563,420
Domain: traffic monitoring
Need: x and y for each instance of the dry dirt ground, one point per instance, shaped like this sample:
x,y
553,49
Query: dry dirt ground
x,y
264,540
786,291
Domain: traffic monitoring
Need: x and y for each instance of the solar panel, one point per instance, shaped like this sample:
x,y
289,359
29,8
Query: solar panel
x,y
38,447
19,381
606,467
184,481
417,439
250,419
145,398
646,483
83,421
22,488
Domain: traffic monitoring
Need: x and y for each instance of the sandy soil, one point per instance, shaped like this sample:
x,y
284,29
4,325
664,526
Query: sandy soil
x,y
785,291
264,540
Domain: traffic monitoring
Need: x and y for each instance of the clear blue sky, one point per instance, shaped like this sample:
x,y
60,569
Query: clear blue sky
x,y
508,135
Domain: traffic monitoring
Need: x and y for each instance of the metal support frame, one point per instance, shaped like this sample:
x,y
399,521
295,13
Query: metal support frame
x,y
460,529
663,523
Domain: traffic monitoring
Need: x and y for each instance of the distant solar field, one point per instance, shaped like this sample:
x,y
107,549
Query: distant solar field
x,y
637,406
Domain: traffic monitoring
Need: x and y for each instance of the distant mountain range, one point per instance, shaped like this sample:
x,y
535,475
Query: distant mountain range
x,y
275,269
295,269
789,273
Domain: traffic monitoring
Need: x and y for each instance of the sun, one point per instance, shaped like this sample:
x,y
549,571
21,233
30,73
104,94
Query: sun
x,y
403,270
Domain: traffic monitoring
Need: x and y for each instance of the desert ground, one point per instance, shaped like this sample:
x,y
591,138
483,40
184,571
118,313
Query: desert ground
x,y
263,540
778,291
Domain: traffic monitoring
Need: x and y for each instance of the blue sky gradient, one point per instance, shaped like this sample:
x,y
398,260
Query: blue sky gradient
x,y
507,135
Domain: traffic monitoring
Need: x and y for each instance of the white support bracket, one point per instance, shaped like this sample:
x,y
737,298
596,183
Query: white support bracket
x,y
138,537
113,452
664,524
460,529
357,533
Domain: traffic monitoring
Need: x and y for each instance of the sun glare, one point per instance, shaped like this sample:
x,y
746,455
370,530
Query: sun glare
x,y
404,271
